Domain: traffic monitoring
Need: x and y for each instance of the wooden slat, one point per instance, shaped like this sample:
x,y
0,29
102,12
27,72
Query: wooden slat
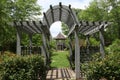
x,y
52,14
60,11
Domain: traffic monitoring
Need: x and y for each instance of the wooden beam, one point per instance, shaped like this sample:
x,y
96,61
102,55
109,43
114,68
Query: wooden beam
x,y
38,26
25,25
18,42
60,11
30,43
74,15
45,45
94,30
102,43
70,51
46,20
88,44
32,26
77,55
83,25
22,28
52,13
72,29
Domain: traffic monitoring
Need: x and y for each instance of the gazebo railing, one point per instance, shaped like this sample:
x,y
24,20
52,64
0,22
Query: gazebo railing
x,y
27,50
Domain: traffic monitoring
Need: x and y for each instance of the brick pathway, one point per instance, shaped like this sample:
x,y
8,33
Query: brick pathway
x,y
60,74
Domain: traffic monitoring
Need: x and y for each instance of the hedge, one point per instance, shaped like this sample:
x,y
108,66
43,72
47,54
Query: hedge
x,y
22,68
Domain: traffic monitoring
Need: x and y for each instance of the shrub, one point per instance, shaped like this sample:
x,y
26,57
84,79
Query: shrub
x,y
107,68
115,47
22,68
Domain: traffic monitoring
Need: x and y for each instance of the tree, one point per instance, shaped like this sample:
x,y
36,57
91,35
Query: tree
x,y
15,10
65,28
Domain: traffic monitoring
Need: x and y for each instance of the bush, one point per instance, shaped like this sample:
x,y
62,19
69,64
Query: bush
x,y
108,68
22,68
115,47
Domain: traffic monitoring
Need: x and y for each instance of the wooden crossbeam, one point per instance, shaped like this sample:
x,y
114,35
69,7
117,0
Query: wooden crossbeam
x,y
32,26
92,26
71,29
74,16
37,26
25,28
83,24
46,20
95,29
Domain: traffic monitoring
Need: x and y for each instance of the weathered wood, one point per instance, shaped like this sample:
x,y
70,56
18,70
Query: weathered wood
x,y
24,24
30,43
70,50
102,43
74,15
52,13
60,11
77,55
46,20
18,50
45,46
88,44
71,29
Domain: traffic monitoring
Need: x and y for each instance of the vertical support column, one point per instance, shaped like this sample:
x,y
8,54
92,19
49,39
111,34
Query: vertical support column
x,y
30,43
77,55
102,43
45,48
70,50
18,45
88,44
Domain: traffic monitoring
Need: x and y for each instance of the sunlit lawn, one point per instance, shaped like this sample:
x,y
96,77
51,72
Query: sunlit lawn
x,y
60,60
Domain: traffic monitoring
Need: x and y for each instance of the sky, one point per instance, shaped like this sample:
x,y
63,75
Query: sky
x,y
45,4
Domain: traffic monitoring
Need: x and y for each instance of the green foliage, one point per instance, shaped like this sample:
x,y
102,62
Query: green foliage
x,y
65,28
104,68
53,45
107,68
94,42
103,10
11,10
114,47
22,68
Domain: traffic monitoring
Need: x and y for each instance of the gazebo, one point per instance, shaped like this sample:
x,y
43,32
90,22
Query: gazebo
x,y
60,41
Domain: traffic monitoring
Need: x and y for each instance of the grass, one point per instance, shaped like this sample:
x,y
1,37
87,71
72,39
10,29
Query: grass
x,y
60,59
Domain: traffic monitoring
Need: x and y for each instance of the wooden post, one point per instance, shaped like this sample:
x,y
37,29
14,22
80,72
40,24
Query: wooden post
x,y
88,44
18,48
102,43
70,50
30,43
77,55
46,53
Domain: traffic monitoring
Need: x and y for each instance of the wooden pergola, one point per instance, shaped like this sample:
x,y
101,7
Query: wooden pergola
x,y
67,15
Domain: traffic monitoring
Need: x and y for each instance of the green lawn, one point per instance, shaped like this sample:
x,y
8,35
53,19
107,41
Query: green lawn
x,y
59,59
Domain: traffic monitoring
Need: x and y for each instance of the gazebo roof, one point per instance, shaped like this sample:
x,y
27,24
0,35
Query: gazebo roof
x,y
60,36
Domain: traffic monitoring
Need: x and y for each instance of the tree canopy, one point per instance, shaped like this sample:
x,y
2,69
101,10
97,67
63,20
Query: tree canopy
x,y
15,10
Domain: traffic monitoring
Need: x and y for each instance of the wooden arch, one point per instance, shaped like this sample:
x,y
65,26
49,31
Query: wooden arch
x,y
60,13
67,15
